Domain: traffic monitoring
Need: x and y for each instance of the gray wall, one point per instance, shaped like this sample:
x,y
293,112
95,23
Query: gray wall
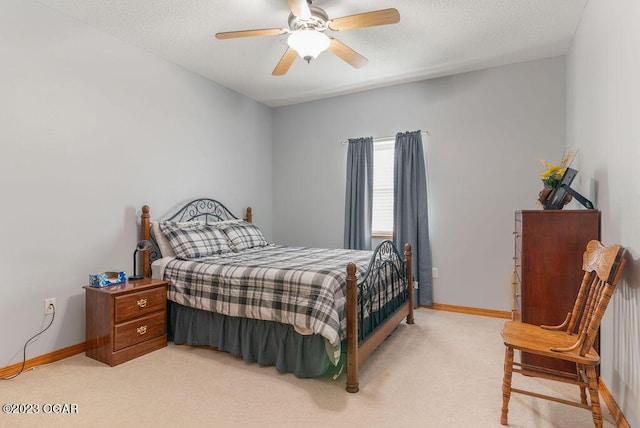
x,y
91,129
603,114
488,131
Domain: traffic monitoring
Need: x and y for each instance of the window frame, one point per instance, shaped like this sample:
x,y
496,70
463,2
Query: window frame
x,y
380,146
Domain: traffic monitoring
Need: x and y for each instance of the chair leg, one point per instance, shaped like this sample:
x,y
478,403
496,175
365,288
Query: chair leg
x,y
583,394
580,369
596,411
506,384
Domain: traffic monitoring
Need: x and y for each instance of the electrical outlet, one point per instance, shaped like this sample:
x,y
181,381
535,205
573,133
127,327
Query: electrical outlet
x,y
47,303
434,272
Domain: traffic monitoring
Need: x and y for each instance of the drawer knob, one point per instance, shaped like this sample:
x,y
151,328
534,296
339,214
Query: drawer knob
x,y
142,303
141,330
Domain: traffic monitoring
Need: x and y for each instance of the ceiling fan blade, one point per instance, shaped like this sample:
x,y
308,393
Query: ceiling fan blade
x,y
300,8
347,54
285,62
367,19
251,33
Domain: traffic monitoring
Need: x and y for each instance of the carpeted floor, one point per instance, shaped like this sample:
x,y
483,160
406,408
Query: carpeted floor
x,y
444,371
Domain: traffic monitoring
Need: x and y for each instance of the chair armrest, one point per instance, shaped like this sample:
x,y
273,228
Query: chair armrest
x,y
562,326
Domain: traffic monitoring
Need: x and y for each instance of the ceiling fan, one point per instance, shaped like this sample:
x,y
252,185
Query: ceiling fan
x,y
307,25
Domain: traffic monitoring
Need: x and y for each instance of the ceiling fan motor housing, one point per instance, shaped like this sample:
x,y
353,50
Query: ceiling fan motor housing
x,y
317,21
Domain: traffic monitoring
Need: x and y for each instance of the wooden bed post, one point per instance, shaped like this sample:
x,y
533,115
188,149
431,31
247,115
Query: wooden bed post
x,y
407,256
145,224
249,215
352,329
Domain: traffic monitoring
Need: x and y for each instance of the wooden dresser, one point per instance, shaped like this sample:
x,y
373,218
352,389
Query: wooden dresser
x,y
549,245
126,320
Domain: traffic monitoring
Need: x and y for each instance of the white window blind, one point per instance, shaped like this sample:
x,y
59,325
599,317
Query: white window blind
x,y
382,222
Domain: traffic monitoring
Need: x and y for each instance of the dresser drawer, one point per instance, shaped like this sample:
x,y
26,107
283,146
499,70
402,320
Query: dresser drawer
x,y
140,303
138,330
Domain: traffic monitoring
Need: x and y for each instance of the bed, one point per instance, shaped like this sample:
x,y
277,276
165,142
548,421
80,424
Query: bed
x,y
303,310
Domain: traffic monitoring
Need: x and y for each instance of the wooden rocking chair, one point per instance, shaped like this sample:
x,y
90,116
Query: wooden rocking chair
x,y
572,340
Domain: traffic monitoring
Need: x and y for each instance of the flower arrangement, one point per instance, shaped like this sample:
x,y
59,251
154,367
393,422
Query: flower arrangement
x,y
553,173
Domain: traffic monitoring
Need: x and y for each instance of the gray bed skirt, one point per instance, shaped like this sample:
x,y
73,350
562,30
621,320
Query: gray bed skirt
x,y
267,343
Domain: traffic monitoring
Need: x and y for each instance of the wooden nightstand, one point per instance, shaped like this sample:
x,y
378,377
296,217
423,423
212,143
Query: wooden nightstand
x,y
126,320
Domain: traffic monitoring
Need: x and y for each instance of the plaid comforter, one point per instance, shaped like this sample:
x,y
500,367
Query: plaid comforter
x,y
304,287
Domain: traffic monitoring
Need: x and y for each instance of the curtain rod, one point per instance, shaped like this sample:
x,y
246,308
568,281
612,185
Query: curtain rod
x,y
385,138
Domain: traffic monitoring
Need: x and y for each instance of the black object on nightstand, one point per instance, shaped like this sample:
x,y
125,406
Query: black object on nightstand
x,y
142,246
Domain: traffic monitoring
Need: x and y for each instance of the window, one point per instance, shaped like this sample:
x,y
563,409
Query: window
x,y
382,222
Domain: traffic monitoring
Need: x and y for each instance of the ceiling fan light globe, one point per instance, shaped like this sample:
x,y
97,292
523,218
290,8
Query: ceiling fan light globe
x,y
308,43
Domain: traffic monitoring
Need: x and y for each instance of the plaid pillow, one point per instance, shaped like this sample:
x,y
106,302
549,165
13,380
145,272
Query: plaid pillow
x,y
163,242
243,235
194,240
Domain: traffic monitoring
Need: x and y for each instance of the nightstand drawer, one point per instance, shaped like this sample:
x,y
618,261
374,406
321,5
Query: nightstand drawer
x,y
141,303
126,321
138,330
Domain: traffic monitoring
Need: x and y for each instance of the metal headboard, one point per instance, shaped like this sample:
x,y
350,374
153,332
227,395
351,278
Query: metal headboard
x,y
203,209
207,210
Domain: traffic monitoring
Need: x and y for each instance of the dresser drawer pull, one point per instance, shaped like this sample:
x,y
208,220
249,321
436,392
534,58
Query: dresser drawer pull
x,y
141,330
142,303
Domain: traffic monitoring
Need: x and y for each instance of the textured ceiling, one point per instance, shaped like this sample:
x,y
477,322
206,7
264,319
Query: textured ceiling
x,y
433,38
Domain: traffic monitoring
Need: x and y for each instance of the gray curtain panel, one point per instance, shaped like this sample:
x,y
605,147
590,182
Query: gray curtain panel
x,y
359,195
411,223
